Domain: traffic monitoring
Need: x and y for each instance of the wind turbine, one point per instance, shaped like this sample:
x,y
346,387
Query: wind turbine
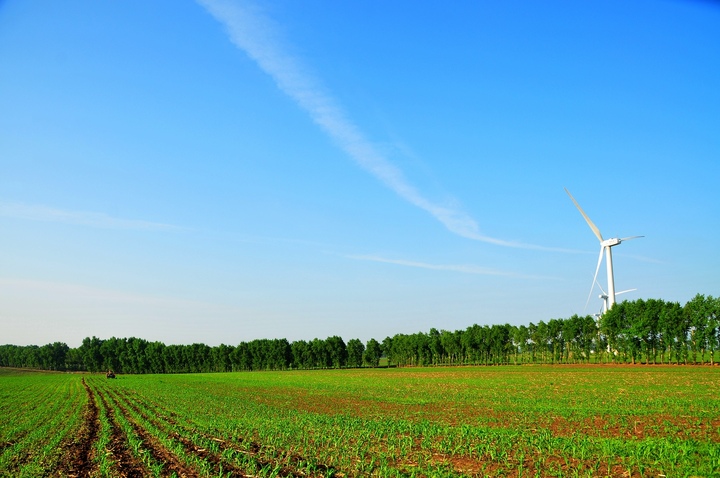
x,y
604,296
606,246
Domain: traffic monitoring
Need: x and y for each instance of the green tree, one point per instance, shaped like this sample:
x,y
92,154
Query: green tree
x,y
521,339
451,345
136,349
74,360
646,325
436,349
197,357
673,330
555,337
154,352
110,352
221,358
355,350
280,354
616,327
337,350
500,344
713,327
471,343
540,337
388,348
590,338
373,352
241,357
52,356
321,354
698,314
421,349
532,345
92,356
299,351
571,334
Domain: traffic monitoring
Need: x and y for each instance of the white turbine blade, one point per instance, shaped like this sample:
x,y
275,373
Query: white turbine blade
x,y
598,284
594,228
631,237
623,291
602,248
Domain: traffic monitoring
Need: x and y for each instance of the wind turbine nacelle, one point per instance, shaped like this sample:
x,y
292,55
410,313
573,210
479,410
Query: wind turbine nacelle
x,y
610,242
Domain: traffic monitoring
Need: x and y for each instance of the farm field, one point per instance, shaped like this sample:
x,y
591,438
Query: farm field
x,y
460,421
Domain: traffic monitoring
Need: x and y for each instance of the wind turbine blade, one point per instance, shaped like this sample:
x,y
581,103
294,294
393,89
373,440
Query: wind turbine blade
x,y
623,291
598,284
602,248
631,237
594,228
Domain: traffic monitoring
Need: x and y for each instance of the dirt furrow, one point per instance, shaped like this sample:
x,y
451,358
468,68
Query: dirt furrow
x,y
78,456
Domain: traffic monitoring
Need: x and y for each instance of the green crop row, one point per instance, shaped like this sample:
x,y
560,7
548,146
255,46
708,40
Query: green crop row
x,y
529,421
334,420
40,411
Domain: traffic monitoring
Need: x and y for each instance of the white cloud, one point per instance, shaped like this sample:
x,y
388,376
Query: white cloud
x,y
93,219
256,35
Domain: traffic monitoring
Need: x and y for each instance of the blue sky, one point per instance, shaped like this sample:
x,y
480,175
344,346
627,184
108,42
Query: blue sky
x,y
224,171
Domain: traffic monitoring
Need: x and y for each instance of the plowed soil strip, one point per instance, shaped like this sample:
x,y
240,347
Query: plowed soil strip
x,y
156,449
126,465
78,457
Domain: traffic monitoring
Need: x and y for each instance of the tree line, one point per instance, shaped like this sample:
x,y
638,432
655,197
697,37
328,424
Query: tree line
x,y
642,331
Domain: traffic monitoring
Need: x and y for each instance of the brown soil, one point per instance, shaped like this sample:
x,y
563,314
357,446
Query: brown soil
x,y
627,427
78,456
635,427
514,466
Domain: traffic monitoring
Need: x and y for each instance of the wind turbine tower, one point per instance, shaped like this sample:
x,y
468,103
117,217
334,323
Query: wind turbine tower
x,y
606,246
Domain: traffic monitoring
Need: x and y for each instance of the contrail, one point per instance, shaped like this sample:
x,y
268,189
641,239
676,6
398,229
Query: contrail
x,y
258,36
